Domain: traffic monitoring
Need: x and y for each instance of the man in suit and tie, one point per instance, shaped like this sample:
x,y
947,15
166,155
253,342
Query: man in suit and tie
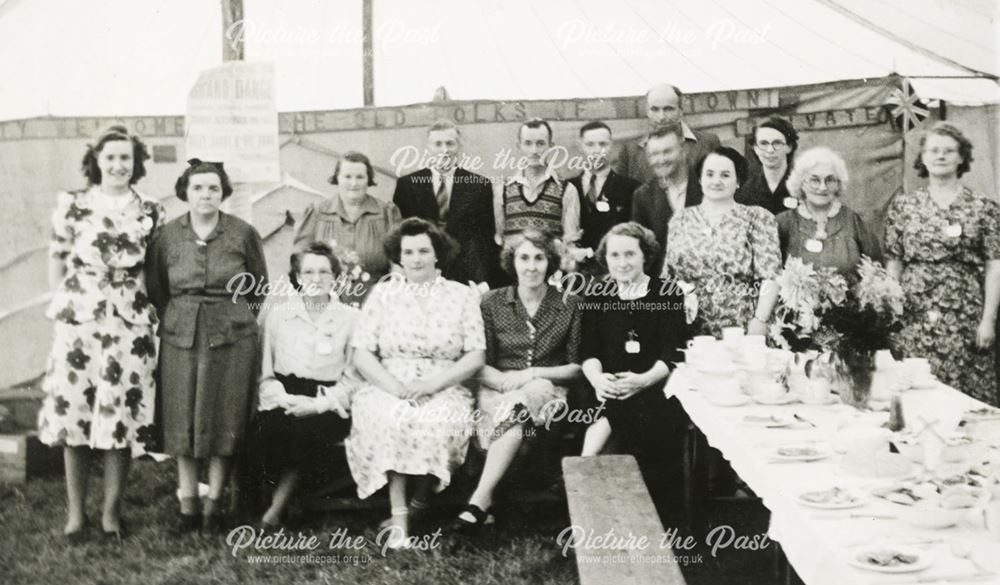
x,y
458,201
663,106
605,196
670,190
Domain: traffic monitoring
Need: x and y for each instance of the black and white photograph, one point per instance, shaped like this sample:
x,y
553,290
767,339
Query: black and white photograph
x,y
499,292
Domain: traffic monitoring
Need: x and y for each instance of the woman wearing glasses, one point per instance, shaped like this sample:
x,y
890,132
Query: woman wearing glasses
x,y
821,230
774,144
943,244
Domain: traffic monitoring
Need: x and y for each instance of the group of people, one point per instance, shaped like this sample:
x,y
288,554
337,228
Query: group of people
x,y
428,362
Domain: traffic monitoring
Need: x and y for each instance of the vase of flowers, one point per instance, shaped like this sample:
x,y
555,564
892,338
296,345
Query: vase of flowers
x,y
851,319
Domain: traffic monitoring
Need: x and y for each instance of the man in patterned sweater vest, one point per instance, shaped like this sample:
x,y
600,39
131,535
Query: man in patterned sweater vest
x,y
535,198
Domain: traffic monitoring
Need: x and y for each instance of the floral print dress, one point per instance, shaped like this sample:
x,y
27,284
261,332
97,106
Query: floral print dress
x,y
726,262
99,388
428,435
943,272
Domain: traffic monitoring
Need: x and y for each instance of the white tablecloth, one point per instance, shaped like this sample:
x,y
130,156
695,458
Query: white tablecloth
x,y
819,543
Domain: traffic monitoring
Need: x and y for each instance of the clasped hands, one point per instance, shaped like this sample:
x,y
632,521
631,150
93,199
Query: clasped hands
x,y
619,386
328,399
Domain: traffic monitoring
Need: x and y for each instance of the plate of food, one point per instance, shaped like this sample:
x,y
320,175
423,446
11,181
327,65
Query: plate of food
x,y
801,452
769,420
835,498
889,558
933,503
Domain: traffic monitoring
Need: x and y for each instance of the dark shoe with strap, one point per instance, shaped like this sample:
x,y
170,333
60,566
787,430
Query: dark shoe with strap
x,y
464,527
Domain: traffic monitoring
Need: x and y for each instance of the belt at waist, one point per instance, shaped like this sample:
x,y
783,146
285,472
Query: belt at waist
x,y
300,386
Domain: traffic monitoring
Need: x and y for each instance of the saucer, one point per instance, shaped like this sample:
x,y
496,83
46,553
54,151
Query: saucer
x,y
738,400
830,399
785,398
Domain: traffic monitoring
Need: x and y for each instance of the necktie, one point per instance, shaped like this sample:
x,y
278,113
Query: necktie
x,y
592,189
441,195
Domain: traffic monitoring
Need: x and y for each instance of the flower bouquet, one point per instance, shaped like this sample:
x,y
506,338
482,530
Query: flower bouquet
x,y
819,309
353,279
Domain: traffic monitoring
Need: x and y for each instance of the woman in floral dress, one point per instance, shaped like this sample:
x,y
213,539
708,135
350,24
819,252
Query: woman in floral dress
x,y
943,244
99,388
729,252
419,337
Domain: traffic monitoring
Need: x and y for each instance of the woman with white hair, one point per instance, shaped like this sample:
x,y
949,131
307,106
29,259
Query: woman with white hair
x,y
821,230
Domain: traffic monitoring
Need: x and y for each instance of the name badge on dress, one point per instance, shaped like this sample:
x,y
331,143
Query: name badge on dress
x,y
324,348
954,230
791,202
632,344
603,206
813,245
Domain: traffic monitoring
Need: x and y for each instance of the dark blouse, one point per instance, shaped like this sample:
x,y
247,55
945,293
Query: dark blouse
x,y
185,274
756,192
848,238
656,321
551,339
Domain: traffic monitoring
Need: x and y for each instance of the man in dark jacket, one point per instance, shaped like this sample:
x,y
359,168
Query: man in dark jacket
x,y
458,201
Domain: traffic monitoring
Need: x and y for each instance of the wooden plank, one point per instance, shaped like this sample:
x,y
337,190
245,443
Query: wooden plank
x,y
612,516
13,458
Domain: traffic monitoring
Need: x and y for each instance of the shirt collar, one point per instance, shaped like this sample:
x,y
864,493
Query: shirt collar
x,y
602,175
521,178
438,174
368,205
220,227
834,210
297,308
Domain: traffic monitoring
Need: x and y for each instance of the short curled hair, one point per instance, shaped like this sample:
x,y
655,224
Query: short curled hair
x,y
140,154
445,248
354,157
951,131
782,125
540,240
535,123
807,161
647,243
197,167
739,163
316,248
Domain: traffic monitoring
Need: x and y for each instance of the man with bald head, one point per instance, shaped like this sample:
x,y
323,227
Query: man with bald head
x,y
663,107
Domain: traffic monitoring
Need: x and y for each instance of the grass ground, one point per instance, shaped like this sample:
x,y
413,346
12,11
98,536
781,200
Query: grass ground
x,y
32,549
523,548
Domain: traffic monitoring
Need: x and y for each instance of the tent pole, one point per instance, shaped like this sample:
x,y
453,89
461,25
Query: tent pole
x,y
368,57
232,14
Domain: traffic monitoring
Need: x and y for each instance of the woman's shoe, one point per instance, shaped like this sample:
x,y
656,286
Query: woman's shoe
x,y
398,539
482,518
116,535
78,536
417,511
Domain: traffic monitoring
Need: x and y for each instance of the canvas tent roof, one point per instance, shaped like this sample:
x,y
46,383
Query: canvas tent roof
x,y
132,57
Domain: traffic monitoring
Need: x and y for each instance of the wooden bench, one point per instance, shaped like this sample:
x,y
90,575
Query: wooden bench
x,y
607,496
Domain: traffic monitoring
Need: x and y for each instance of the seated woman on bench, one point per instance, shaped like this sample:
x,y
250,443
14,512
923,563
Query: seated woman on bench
x,y
532,343
419,339
304,394
633,331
